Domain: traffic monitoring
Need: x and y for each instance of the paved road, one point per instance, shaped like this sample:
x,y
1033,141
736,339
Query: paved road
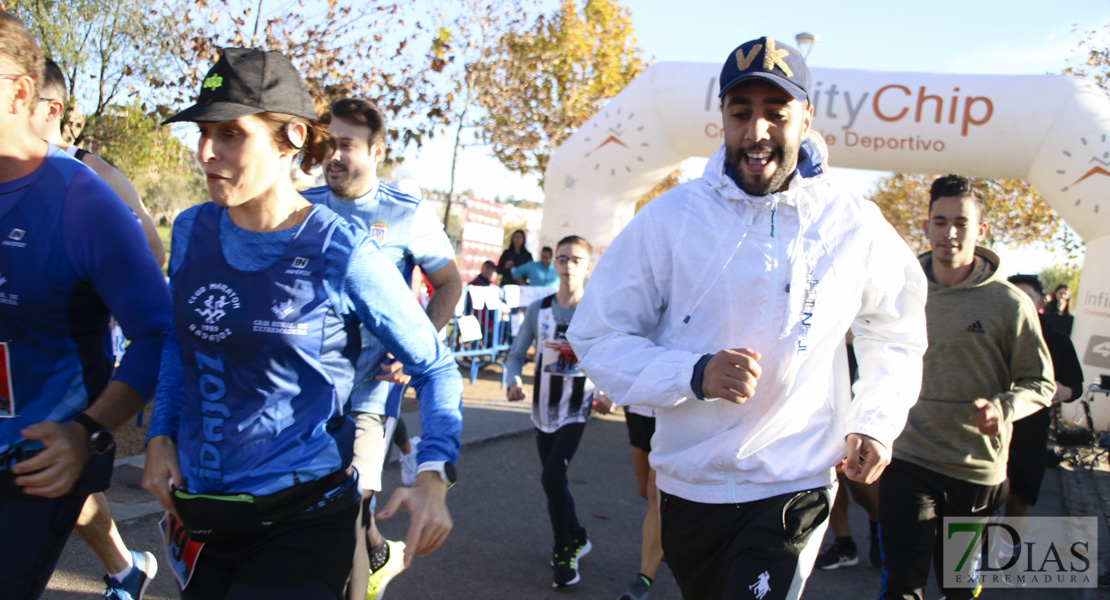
x,y
501,544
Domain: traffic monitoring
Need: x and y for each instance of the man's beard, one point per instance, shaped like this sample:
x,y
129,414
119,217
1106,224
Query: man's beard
x,y
348,188
785,157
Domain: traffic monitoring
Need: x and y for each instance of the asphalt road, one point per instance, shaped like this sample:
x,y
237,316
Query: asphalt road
x,y
501,545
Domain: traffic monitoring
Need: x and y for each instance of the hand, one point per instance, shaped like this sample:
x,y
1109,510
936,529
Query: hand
x,y
161,469
1063,394
989,418
864,458
52,472
731,375
602,404
429,519
392,372
515,393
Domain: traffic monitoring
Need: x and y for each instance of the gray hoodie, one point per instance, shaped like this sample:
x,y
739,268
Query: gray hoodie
x,y
984,342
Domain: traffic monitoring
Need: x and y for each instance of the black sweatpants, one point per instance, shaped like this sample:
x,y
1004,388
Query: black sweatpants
x,y
762,549
556,450
912,502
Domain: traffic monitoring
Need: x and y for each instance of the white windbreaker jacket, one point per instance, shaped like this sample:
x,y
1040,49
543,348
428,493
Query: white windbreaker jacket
x,y
706,267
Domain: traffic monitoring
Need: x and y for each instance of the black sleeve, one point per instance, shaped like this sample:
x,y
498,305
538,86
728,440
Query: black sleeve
x,y
1065,362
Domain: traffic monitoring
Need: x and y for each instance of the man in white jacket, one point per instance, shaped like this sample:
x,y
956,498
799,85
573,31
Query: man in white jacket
x,y
724,305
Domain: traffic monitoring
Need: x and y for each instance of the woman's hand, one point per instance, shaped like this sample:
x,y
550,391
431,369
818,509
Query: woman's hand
x,y
162,471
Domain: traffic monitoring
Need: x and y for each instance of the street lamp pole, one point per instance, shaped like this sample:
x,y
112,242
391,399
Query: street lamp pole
x,y
806,42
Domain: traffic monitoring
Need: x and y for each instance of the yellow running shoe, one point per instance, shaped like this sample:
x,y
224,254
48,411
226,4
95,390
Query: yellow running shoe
x,y
393,565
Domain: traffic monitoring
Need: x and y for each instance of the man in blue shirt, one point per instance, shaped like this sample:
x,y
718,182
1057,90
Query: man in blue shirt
x,y
72,254
540,273
409,232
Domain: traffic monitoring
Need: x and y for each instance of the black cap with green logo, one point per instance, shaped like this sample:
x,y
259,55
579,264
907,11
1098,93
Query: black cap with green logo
x,y
245,81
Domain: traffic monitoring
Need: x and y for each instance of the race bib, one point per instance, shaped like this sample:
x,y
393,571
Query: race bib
x,y
7,395
181,551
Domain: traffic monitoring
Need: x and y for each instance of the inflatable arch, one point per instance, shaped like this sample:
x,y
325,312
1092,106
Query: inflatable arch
x,y
1051,131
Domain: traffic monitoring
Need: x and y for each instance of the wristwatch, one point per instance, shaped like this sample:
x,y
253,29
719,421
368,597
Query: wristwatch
x,y
100,439
445,469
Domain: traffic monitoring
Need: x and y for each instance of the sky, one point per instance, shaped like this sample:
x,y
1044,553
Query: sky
x,y
942,36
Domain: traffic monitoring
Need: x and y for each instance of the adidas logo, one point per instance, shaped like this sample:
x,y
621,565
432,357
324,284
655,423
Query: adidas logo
x,y
975,328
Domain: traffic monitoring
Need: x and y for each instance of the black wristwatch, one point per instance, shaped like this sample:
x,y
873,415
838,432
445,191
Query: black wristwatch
x,y
446,473
100,439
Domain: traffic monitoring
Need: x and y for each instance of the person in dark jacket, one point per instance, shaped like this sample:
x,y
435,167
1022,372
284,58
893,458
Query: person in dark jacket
x,y
1025,468
513,256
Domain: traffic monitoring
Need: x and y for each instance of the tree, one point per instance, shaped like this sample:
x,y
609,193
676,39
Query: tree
x,y
158,164
1017,214
463,49
341,48
102,46
104,49
1095,61
670,181
548,80
1055,275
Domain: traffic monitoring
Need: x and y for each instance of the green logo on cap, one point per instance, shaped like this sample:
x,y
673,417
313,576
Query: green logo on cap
x,y
213,82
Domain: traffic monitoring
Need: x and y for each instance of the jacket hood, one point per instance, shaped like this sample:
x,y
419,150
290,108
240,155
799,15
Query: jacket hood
x,y
987,269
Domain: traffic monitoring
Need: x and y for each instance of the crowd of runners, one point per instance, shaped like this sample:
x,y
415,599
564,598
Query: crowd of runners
x,y
723,319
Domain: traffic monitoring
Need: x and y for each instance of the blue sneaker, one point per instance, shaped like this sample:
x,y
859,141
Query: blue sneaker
x,y
134,585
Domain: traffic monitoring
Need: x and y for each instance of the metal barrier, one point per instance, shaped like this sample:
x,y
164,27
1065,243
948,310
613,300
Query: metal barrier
x,y
486,321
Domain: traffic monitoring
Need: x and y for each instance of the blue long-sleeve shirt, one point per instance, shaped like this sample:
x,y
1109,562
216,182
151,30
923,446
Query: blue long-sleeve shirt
x,y
71,254
368,286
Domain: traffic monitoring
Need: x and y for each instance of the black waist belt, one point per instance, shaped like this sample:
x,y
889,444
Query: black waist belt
x,y
296,498
219,518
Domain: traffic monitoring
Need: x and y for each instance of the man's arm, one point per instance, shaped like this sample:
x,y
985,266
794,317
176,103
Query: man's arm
x,y
130,197
522,273
1030,368
52,472
446,291
389,311
890,335
624,301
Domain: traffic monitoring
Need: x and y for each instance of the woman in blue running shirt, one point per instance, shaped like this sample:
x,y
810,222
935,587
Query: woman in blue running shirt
x,y
249,447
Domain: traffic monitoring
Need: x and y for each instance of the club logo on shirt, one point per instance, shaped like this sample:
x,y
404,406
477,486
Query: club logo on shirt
x,y
14,238
377,231
212,303
282,309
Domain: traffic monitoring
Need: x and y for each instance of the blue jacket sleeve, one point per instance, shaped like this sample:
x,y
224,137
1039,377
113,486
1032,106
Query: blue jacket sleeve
x,y
387,308
169,395
108,248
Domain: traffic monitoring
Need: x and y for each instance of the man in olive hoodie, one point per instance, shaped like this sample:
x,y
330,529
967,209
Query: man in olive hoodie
x,y
986,366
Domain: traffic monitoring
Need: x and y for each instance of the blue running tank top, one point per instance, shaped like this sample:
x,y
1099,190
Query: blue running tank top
x,y
261,411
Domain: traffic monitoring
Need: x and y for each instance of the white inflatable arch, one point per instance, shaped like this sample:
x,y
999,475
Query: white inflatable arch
x,y
1051,131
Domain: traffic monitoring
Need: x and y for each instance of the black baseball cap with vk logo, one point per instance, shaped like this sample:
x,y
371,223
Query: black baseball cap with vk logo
x,y
769,59
245,81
